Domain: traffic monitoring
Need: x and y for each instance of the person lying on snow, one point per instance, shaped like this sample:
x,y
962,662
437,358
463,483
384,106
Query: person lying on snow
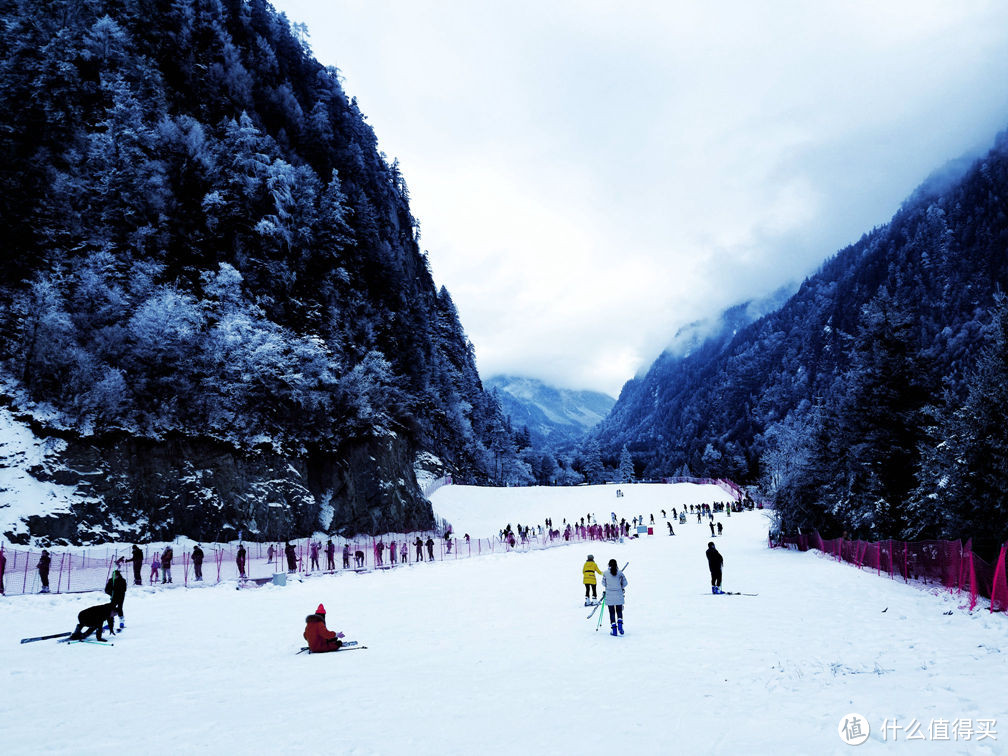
x,y
320,638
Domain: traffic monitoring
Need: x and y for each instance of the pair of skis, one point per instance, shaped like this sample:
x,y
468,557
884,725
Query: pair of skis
x,y
65,638
46,637
348,646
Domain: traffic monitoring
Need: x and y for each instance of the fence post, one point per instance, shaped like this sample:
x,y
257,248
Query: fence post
x,y
999,572
59,577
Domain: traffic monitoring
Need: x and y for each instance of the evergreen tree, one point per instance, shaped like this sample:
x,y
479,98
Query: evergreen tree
x,y
626,466
879,422
591,465
975,485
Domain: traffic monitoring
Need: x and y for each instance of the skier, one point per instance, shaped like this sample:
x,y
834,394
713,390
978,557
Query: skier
x,y
613,583
240,560
43,570
93,619
166,557
197,562
404,553
670,531
137,559
269,553
116,589
313,552
291,557
320,638
589,570
714,561
346,556
430,548
711,528
720,528
330,552
393,552
419,549
155,565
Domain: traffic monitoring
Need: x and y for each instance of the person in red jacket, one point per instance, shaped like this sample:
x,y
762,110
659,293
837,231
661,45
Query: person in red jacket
x,y
320,638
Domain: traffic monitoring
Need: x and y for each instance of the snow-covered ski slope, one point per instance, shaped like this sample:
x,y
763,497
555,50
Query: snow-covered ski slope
x,y
495,656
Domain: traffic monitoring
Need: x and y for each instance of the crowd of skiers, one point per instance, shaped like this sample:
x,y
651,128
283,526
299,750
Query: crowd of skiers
x,y
588,528
320,639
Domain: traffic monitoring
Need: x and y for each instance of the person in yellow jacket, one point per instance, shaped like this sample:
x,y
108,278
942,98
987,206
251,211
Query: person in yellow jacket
x,y
589,570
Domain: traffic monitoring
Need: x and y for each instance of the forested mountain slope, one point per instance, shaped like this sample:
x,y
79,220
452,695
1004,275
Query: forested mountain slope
x,y
857,404
212,290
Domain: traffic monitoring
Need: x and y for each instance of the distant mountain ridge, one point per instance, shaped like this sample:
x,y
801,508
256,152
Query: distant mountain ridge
x,y
726,324
551,414
869,401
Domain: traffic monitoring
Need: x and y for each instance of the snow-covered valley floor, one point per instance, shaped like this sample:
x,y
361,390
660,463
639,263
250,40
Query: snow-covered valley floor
x,y
494,655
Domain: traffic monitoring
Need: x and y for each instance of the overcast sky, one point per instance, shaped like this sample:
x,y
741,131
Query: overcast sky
x,y
591,176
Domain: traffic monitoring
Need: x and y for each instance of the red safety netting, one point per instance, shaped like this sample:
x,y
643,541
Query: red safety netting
x,y
948,563
78,570
999,591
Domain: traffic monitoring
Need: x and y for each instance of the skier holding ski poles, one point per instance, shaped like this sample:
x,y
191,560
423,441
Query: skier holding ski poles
x,y
613,583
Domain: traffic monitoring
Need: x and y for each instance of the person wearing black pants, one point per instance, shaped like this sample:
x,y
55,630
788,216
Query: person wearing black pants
x,y
197,562
613,583
116,589
92,620
138,559
714,561
43,570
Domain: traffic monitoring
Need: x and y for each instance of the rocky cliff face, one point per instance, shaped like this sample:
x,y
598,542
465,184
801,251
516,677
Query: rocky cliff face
x,y
208,259
123,489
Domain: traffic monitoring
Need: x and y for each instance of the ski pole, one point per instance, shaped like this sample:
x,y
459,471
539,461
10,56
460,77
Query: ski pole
x,y
601,612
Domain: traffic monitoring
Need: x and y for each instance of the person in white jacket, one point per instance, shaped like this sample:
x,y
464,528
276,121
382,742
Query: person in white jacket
x,y
613,583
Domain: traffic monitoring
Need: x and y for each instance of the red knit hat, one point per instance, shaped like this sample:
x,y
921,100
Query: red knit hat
x,y
320,610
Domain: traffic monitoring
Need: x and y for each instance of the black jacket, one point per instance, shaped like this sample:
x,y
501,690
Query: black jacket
x,y
94,616
714,559
116,588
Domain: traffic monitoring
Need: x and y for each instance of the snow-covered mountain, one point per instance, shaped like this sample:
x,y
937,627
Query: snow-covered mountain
x,y
551,414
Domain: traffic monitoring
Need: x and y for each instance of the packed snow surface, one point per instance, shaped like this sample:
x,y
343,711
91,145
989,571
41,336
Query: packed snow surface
x,y
495,654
